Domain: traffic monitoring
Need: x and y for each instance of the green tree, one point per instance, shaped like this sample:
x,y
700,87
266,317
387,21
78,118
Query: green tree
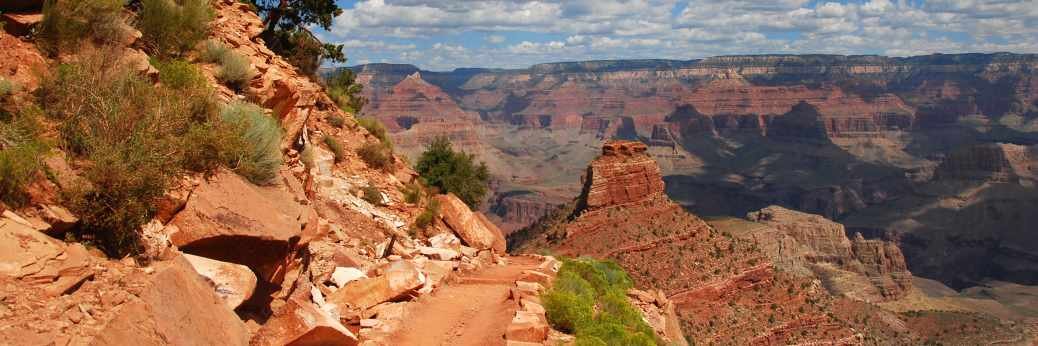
x,y
345,91
453,171
286,30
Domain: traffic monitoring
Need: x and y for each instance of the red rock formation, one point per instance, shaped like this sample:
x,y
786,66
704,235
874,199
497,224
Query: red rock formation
x,y
879,265
624,174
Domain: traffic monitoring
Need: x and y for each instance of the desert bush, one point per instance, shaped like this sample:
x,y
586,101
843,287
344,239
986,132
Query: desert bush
x,y
428,215
235,71
337,151
68,23
336,121
453,172
172,27
589,300
376,128
259,156
21,153
413,192
179,74
372,195
6,88
137,139
307,156
213,51
376,155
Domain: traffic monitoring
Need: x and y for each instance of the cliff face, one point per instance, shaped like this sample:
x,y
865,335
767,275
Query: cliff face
x,y
624,174
996,162
870,270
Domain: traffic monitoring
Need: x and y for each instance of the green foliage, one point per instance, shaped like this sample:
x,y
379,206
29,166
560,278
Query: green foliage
x,y
235,71
21,154
337,151
453,172
428,215
372,195
68,23
180,75
213,51
6,88
138,138
172,27
345,91
336,121
377,129
258,158
376,155
413,192
589,300
287,35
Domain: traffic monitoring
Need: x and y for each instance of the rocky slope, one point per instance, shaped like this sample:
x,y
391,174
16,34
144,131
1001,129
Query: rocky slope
x,y
303,261
783,278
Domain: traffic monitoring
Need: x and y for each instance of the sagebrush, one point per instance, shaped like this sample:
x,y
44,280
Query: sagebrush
x,y
67,24
172,27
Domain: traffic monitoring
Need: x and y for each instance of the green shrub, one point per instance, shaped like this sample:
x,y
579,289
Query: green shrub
x,y
337,151
428,215
235,71
376,155
213,51
21,154
259,156
345,91
68,23
6,88
413,192
589,300
336,121
372,195
180,74
453,172
172,27
377,129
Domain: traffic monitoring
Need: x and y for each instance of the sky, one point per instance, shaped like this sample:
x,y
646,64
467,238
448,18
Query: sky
x,y
442,35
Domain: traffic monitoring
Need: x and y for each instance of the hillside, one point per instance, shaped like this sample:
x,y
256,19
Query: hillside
x,y
780,277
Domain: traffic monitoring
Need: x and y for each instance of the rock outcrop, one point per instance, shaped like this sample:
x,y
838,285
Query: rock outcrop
x,y
997,162
259,231
624,174
870,270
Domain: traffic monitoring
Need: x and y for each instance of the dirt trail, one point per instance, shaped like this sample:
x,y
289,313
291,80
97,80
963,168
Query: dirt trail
x,y
474,310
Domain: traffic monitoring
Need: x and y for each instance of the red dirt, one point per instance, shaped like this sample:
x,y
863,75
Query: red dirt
x,y
474,310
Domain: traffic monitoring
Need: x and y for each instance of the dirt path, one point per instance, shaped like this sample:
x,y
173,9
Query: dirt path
x,y
475,310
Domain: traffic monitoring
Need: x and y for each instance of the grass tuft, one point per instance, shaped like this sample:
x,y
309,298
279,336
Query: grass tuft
x,y
170,27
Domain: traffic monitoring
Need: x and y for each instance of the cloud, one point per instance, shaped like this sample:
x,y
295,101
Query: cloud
x,y
483,33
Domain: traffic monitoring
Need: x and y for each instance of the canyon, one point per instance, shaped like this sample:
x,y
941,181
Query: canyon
x,y
934,153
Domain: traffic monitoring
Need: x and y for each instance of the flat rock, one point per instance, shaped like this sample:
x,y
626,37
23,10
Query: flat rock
x,y
233,283
231,220
344,275
527,327
177,307
398,279
303,324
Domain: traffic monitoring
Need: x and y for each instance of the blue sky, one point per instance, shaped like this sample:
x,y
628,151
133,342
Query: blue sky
x,y
446,34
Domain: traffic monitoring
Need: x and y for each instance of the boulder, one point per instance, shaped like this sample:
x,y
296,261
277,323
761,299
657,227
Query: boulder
x,y
233,283
527,327
301,323
472,227
397,280
231,220
176,307
23,249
